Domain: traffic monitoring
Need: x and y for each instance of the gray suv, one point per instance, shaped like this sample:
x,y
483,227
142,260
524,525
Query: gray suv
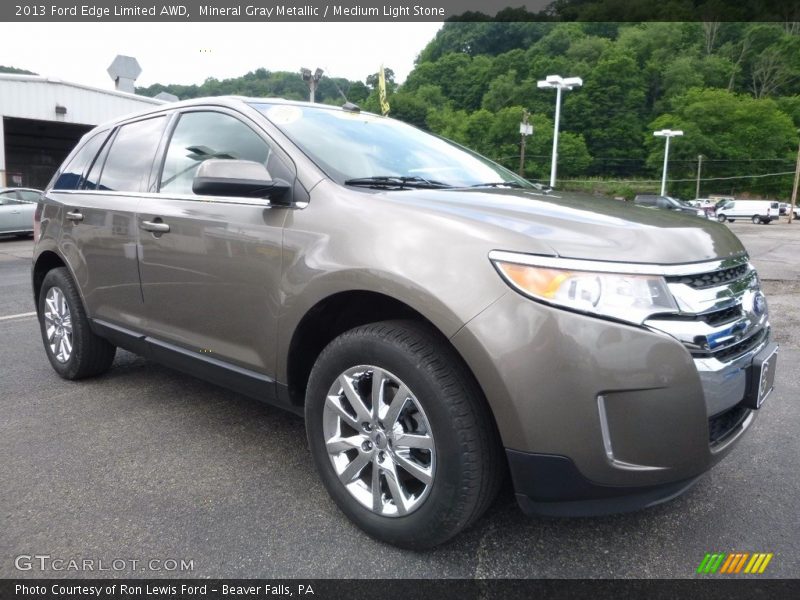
x,y
439,321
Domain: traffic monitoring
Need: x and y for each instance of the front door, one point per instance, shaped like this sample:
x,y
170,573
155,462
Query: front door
x,y
210,266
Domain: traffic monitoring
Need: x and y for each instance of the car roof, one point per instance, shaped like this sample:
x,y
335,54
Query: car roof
x,y
3,190
229,101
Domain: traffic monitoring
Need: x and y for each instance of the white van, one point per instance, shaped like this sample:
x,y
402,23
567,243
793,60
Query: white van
x,y
758,211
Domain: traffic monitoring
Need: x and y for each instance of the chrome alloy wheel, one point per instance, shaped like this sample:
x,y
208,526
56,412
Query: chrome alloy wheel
x,y
58,324
379,441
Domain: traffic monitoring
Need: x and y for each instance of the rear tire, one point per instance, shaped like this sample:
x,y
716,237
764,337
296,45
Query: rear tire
x,y
756,220
72,348
427,461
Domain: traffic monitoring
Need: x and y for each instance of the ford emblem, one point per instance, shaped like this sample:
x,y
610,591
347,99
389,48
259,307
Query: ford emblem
x,y
759,304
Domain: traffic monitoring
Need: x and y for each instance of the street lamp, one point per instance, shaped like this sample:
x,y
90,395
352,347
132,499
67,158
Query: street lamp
x,y
666,133
559,83
312,80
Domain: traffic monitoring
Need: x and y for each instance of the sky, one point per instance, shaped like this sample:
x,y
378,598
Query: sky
x,y
188,53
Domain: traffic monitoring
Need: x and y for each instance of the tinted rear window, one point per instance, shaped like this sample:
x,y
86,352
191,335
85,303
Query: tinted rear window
x,y
130,159
71,178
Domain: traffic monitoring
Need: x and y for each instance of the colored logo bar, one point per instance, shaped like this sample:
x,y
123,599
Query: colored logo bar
x,y
735,562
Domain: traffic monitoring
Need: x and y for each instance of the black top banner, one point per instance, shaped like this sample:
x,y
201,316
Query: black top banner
x,y
397,10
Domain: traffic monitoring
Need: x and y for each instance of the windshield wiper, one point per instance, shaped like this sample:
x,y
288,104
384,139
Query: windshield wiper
x,y
399,182
513,184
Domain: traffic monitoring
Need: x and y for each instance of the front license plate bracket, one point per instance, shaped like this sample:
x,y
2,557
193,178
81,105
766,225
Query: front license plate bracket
x,y
761,377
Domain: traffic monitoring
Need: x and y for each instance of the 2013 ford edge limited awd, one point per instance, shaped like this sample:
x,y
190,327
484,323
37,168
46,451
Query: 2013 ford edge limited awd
x,y
438,320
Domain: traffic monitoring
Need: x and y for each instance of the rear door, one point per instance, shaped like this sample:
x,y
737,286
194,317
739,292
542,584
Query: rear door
x,y
99,192
210,278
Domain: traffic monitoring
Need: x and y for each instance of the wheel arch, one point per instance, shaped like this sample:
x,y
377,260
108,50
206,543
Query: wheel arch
x,y
329,318
342,311
45,262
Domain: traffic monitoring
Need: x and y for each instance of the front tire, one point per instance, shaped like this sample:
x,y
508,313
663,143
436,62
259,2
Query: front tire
x,y
756,220
73,349
722,218
401,435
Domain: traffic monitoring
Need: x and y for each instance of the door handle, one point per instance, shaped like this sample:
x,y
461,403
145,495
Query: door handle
x,y
74,215
155,226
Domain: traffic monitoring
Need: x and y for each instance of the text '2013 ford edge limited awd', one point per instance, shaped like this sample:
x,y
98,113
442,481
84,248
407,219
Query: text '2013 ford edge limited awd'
x,y
438,320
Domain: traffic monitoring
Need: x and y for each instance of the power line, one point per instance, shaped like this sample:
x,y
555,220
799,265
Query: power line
x,y
598,180
671,160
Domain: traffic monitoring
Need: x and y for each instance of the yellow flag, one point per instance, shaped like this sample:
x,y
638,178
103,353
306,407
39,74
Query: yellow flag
x,y
382,93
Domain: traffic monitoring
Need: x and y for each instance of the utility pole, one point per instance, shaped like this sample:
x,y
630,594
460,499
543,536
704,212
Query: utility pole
x,y
794,187
524,131
699,168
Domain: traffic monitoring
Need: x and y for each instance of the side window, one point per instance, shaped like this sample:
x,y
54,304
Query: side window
x,y
200,136
92,178
71,178
647,201
8,198
29,195
130,158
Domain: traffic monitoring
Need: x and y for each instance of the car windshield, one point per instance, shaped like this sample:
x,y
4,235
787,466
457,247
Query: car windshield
x,y
366,150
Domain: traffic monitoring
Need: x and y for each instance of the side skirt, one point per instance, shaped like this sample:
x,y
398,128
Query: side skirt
x,y
243,381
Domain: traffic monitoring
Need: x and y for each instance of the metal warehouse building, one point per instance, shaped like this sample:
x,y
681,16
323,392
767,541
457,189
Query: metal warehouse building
x,y
43,119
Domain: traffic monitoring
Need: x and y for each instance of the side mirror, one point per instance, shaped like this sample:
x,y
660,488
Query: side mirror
x,y
239,178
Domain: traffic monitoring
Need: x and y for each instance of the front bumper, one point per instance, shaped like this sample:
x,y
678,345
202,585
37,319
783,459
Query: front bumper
x,y
552,486
619,411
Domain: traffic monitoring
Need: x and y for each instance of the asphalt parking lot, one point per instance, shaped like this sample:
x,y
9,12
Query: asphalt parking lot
x,y
146,463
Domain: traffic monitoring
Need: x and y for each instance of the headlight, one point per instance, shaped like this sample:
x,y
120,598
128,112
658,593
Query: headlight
x,y
628,297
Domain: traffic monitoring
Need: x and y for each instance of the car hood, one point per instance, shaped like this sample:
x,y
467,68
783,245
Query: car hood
x,y
579,225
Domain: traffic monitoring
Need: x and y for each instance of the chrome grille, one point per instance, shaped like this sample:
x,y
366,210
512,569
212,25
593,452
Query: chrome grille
x,y
725,315
711,279
722,312
723,322
717,317
733,352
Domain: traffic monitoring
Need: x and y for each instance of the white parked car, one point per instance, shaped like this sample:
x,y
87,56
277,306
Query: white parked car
x,y
16,210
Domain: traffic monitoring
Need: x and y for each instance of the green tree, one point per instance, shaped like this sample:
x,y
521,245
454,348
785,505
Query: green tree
x,y
16,70
737,134
609,111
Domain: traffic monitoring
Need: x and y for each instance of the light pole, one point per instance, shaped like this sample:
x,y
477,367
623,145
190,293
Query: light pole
x,y
666,133
559,83
699,168
312,80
